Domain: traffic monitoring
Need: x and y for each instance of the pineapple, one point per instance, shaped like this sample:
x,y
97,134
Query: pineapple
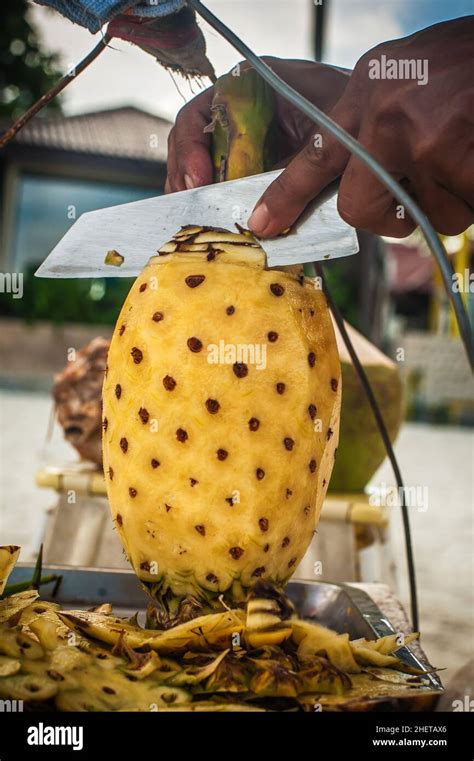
x,y
221,415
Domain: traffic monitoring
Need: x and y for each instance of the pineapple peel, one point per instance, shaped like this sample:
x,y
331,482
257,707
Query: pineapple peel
x,y
221,416
97,661
8,556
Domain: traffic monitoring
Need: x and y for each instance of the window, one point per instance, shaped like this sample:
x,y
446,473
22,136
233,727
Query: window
x,y
46,206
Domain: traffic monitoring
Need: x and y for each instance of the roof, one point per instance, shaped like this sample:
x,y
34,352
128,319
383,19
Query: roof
x,y
120,133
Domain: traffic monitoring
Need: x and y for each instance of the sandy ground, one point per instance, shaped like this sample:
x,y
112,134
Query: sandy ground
x,y
437,460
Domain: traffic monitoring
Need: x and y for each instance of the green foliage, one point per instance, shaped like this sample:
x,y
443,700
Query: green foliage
x,y
84,300
26,71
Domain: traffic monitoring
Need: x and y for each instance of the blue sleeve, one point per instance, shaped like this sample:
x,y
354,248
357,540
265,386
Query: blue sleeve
x,y
93,14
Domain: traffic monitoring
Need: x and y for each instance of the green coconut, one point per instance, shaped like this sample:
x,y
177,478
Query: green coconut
x,y
361,450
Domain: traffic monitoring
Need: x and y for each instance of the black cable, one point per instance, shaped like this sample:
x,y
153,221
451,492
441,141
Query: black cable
x,y
386,440
318,116
431,237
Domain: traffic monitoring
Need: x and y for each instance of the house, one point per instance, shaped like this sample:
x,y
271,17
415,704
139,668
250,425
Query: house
x,y
58,167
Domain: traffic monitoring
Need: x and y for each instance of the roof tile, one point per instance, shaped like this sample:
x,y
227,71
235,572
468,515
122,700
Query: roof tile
x,y
122,132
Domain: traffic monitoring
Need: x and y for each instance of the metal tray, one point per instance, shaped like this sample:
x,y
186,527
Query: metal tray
x,y
338,606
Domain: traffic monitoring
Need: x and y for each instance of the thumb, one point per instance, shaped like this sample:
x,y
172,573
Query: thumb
x,y
321,160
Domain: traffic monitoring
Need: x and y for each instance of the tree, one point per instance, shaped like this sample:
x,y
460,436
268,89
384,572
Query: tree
x,y
26,71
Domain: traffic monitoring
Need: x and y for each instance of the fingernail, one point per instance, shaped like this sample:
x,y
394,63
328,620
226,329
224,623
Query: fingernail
x,y
189,182
259,219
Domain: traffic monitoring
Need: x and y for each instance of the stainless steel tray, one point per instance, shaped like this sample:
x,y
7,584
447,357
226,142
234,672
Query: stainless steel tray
x,y
338,606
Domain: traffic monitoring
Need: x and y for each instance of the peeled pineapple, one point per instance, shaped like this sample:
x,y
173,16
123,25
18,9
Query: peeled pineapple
x,y
221,417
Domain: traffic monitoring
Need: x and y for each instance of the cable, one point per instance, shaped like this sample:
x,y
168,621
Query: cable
x,y
385,436
318,116
432,239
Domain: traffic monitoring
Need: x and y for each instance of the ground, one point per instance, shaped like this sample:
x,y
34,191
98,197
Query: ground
x,y
437,460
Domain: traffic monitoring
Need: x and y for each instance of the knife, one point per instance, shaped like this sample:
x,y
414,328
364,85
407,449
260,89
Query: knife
x,y
136,230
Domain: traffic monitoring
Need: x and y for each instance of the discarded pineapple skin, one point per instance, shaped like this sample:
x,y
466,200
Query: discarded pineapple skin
x,y
216,473
8,556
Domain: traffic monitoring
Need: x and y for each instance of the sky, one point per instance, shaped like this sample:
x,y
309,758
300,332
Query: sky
x,y
125,75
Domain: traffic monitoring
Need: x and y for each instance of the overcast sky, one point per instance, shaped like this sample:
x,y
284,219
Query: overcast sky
x,y
127,76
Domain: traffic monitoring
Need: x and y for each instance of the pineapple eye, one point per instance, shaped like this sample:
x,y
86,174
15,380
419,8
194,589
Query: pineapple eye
x,y
137,355
277,289
181,435
169,383
311,358
240,369
118,390
192,281
123,444
194,344
312,409
288,443
144,415
230,310
212,406
158,316
222,454
334,384
272,336
263,523
254,424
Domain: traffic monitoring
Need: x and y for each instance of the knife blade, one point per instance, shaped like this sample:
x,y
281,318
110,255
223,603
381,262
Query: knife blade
x,y
136,230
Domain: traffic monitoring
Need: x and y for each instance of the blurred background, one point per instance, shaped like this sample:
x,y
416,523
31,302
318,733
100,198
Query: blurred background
x,y
103,142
